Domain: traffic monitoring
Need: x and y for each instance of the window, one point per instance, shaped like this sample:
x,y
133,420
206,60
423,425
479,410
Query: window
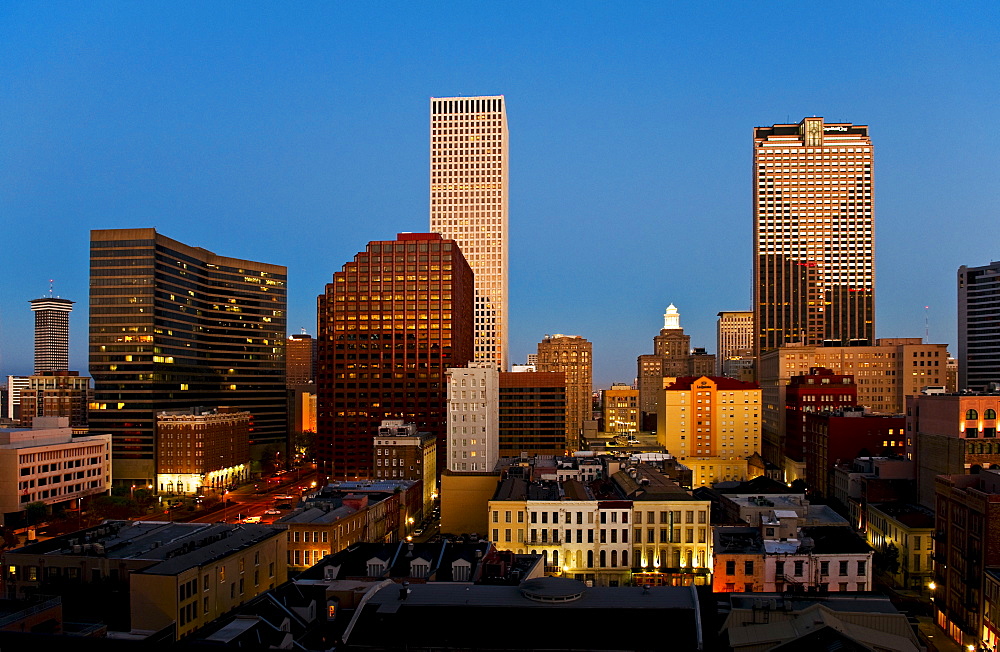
x,y
779,568
843,568
748,567
971,414
862,569
990,414
798,568
731,568
824,568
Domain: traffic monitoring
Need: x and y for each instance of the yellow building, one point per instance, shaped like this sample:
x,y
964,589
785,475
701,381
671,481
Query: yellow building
x,y
621,409
712,425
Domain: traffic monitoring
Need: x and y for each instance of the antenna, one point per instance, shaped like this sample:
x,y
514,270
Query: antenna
x,y
51,284
927,325
303,329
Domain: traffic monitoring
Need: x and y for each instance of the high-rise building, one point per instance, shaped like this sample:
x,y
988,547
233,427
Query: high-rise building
x,y
572,355
300,354
473,417
814,246
468,204
734,343
978,337
51,333
56,394
174,327
391,323
532,413
672,357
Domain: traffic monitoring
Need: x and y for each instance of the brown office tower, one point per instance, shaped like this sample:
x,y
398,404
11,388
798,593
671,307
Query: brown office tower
x,y
56,394
173,327
300,354
390,324
51,333
572,355
532,413
814,247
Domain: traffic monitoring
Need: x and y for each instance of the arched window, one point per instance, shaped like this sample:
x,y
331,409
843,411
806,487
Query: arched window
x,y
990,414
604,558
971,414
590,559
614,558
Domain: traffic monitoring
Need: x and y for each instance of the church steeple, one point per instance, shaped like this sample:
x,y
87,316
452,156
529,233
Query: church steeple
x,y
671,318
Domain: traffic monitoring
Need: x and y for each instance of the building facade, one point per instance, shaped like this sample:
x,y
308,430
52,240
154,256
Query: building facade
x,y
391,323
672,357
300,357
571,355
978,339
473,417
174,326
469,204
621,410
813,247
199,450
734,335
711,425
532,413
51,333
56,394
402,453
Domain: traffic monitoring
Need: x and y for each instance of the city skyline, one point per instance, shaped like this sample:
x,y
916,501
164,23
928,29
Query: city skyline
x,y
183,120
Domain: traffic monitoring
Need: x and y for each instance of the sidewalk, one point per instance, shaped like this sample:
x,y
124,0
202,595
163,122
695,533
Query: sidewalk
x,y
934,637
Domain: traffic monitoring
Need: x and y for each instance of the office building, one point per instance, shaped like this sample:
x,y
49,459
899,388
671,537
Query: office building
x,y
51,333
300,355
884,374
978,337
402,453
734,343
711,425
573,356
814,247
469,204
621,410
173,327
48,464
473,417
532,413
201,449
56,394
672,357
392,322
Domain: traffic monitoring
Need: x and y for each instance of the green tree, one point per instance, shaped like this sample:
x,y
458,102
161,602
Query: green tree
x,y
36,512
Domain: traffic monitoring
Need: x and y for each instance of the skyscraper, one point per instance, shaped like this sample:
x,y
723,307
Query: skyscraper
x,y
978,315
391,323
469,187
173,327
51,333
734,343
814,247
300,353
572,355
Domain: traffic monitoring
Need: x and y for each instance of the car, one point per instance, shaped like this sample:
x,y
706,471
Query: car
x,y
272,511
252,519
418,531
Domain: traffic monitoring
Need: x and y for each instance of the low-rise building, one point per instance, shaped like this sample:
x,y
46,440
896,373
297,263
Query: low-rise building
x,y
201,448
187,574
402,453
48,464
903,536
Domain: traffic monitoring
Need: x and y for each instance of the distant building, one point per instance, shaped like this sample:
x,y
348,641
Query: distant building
x,y
56,394
532,413
381,359
300,357
51,333
672,357
978,340
48,464
15,385
573,356
818,390
885,374
402,453
201,449
734,337
842,435
621,410
904,534
180,574
473,417
711,425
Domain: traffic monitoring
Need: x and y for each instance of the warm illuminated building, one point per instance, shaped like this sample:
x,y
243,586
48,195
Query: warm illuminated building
x,y
711,425
391,323
473,417
573,356
885,374
201,449
621,410
734,337
173,327
56,394
469,204
814,246
532,413
978,338
300,357
51,333
672,357
402,453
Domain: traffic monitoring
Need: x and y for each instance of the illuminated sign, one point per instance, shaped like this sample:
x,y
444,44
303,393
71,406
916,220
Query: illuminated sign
x,y
829,128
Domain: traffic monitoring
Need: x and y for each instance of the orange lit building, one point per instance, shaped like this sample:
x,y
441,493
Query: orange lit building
x,y
391,323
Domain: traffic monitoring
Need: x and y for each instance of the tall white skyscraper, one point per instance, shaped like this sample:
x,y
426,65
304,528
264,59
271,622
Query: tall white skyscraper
x,y
469,184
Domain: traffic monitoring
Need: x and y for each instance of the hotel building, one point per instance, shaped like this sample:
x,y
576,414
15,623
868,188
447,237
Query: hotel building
x,y
469,204
814,247
173,327
391,323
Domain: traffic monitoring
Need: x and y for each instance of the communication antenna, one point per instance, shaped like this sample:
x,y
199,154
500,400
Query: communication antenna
x,y
51,285
927,325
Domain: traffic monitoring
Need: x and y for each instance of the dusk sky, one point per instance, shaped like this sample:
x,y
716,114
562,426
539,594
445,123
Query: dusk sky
x,y
294,133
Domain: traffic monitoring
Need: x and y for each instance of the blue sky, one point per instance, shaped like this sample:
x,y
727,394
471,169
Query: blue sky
x,y
294,133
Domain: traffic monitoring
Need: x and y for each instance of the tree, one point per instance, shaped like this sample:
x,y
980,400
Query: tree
x,y
36,512
886,560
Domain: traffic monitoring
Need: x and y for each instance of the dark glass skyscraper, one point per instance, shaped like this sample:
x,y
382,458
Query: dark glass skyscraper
x,y
978,326
173,327
390,325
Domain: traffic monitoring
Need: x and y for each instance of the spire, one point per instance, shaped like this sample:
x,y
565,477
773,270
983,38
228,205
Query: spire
x,y
671,318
